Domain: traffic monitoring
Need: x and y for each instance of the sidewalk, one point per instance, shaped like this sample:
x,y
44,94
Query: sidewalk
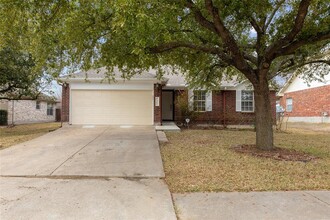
x,y
254,205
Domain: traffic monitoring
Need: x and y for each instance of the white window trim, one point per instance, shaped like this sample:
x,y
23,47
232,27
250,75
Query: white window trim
x,y
208,100
252,101
286,104
51,108
200,100
240,101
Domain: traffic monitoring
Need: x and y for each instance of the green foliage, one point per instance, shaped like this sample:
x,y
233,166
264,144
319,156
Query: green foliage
x,y
186,111
3,117
71,35
17,77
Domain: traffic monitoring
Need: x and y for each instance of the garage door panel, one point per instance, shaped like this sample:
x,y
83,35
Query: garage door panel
x,y
111,107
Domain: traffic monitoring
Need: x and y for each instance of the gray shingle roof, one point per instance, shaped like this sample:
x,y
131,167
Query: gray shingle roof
x,y
101,73
171,79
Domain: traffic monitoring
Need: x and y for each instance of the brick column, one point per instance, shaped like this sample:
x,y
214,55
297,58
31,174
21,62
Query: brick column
x,y
158,109
65,102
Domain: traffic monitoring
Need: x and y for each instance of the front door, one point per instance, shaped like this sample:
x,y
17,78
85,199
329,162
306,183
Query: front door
x,y
167,105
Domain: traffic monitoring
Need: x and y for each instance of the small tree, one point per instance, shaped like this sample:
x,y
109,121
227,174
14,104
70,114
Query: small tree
x,y
16,74
185,108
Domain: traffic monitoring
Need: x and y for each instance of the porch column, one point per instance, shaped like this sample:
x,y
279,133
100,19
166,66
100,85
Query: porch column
x,y
65,103
157,104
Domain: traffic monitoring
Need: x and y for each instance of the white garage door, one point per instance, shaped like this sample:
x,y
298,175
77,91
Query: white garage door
x,y
111,107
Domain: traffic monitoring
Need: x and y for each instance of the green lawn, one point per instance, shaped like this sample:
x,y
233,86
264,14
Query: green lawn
x,y
14,135
201,160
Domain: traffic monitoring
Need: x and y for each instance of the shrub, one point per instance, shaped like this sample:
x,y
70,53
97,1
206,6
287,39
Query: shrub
x,y
185,110
3,117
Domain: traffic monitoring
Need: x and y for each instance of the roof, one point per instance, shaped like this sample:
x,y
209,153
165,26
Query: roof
x,y
169,78
102,73
39,97
297,83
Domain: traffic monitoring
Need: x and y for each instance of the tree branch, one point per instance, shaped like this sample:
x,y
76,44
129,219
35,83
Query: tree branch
x,y
297,27
202,48
200,18
292,65
279,4
229,41
290,49
255,25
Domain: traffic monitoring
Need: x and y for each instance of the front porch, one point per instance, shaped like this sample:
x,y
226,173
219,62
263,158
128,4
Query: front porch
x,y
167,126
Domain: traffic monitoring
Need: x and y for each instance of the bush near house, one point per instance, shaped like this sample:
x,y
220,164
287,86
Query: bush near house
x,y
3,117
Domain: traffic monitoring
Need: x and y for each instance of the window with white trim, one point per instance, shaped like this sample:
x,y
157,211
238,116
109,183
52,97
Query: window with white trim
x,y
289,104
37,104
50,109
200,100
247,101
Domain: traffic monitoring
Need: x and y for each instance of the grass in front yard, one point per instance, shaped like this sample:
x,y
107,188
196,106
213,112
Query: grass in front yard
x,y
201,160
14,135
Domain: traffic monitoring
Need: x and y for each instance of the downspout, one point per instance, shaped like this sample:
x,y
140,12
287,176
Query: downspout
x,y
12,112
224,108
160,91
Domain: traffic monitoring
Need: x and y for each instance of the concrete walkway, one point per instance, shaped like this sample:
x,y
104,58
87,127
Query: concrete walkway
x,y
85,173
254,205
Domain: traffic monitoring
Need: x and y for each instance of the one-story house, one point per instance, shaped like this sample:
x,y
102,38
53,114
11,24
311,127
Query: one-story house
x,y
306,101
146,100
29,109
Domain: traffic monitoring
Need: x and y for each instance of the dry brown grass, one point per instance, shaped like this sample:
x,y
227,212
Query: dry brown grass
x,y
14,135
201,160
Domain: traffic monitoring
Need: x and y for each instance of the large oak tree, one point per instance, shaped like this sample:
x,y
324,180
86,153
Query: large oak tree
x,y
206,39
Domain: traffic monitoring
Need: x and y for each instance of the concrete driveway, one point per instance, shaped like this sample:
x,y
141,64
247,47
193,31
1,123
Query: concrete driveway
x,y
87,151
103,172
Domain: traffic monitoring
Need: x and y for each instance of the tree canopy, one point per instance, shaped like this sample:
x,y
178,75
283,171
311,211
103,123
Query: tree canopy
x,y
206,39
16,74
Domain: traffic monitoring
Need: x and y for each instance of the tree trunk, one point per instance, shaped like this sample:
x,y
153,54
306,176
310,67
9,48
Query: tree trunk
x,y
263,116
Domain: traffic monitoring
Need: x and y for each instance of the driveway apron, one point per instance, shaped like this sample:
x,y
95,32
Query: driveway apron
x,y
76,172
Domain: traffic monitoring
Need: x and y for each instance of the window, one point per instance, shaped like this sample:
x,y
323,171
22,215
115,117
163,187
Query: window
x,y
49,109
247,101
289,105
37,104
199,100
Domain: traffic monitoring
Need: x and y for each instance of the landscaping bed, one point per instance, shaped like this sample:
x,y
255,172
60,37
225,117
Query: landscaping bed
x,y
204,160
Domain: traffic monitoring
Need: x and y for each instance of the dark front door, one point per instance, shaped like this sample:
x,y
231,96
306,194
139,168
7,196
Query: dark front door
x,y
168,105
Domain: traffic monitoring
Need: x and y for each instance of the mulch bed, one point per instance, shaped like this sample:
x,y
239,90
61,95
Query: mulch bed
x,y
276,154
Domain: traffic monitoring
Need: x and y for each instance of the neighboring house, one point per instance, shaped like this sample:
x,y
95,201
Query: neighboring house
x,y
146,100
306,102
28,110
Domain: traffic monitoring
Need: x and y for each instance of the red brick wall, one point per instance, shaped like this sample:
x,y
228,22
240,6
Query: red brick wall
x,y
308,102
221,115
158,109
65,102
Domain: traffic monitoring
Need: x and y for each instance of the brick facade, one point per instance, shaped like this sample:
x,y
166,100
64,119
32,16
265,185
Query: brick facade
x,y
25,111
158,109
308,102
223,109
65,112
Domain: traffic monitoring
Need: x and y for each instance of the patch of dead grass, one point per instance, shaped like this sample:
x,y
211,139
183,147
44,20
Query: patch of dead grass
x,y
20,133
202,160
